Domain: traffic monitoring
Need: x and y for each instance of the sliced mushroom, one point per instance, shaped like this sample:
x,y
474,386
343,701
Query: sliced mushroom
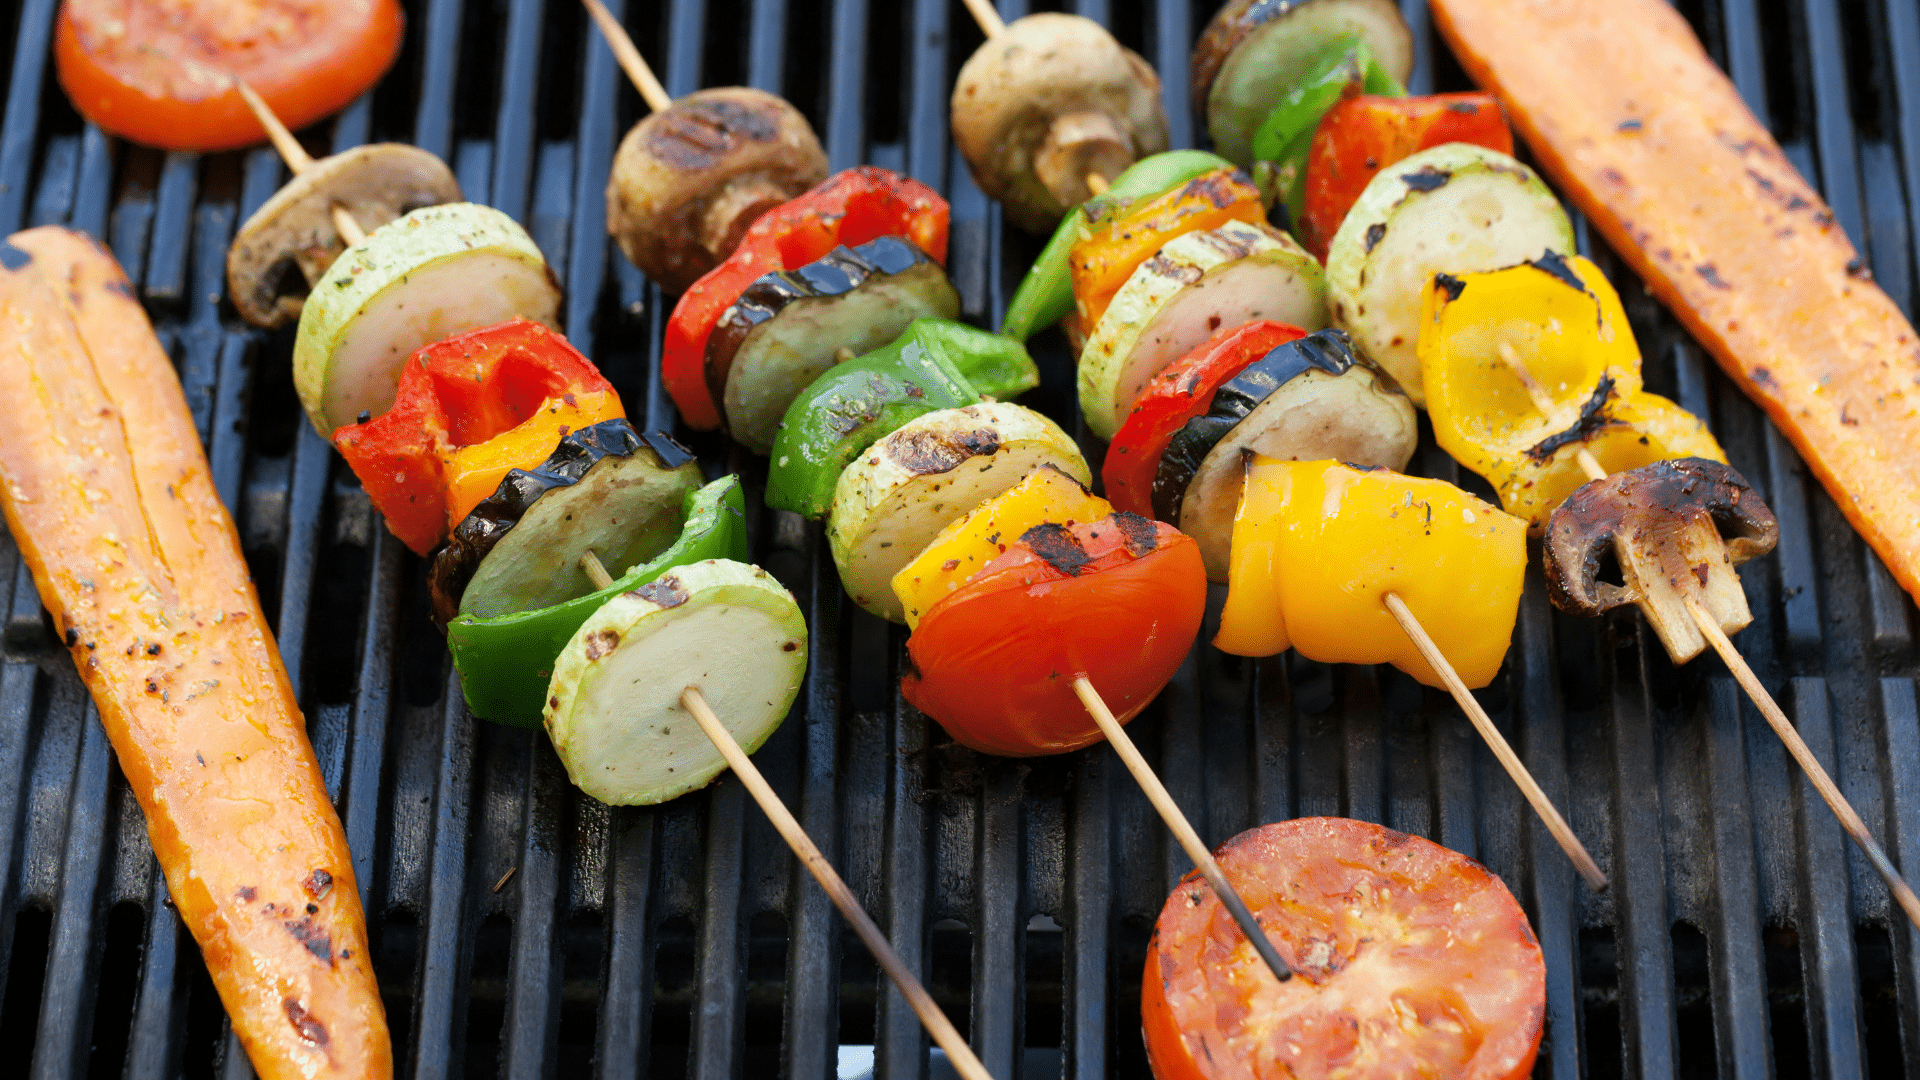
x,y
687,181
1049,100
1677,529
291,240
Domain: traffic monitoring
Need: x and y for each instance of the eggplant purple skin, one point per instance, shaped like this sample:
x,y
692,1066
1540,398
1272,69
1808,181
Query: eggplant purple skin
x,y
1582,530
836,273
473,539
1330,351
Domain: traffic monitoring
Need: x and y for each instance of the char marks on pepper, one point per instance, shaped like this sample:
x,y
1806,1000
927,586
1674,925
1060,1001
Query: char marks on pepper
x,y
1555,265
1593,420
1138,533
1058,546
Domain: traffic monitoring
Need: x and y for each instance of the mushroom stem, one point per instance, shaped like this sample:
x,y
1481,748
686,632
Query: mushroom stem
x,y
296,157
738,205
1079,145
628,55
1097,183
991,24
1517,769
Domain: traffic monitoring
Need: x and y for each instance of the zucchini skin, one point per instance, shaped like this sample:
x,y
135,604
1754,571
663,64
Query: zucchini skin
x,y
1329,350
505,662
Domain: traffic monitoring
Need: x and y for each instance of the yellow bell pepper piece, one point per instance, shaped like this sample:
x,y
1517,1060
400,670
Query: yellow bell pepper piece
x,y
1251,623
1576,349
474,472
1344,538
965,547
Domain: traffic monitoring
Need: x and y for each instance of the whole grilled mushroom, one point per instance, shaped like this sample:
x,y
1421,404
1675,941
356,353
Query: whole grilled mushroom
x,y
1047,101
1677,529
689,179
291,240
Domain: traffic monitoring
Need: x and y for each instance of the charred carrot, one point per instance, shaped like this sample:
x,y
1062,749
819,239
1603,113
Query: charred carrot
x,y
1623,108
107,493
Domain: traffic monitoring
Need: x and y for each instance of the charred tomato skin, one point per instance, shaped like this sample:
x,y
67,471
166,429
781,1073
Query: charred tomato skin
x,y
1118,600
1337,897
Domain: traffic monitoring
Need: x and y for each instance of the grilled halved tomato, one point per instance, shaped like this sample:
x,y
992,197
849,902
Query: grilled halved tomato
x,y
1409,960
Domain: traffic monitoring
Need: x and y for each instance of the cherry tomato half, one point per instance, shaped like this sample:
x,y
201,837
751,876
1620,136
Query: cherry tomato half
x,y
1360,136
1118,600
160,73
1181,391
1408,960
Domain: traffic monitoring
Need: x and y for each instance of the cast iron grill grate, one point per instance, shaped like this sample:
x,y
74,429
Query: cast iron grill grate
x,y
1742,937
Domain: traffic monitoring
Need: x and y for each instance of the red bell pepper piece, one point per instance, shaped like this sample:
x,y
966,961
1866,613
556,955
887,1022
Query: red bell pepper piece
x,y
1118,600
848,208
459,399
1362,135
1180,392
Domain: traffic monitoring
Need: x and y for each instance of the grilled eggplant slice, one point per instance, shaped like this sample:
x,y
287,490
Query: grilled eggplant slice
x,y
613,708
428,275
605,489
893,500
1254,51
1308,400
1197,285
1454,209
785,329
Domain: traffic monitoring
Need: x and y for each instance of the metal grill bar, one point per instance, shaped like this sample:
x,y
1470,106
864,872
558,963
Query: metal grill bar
x,y
640,939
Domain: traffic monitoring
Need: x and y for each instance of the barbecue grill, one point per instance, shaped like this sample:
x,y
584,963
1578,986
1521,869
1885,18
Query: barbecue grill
x,y
520,929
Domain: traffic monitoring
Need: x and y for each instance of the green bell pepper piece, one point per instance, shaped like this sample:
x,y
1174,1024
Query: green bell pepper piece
x,y
936,364
506,661
1045,295
1346,67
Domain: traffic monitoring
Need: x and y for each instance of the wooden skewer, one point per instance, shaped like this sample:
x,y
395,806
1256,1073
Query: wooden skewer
x,y
1182,830
1543,806
991,24
958,1052
1743,674
296,157
628,55
1796,746
816,863
596,573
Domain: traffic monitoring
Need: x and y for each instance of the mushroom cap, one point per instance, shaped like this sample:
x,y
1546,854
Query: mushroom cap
x,y
688,180
1648,505
291,240
1045,68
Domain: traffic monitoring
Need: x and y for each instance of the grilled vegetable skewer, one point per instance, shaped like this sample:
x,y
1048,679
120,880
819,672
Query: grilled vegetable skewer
x,y
688,180
1672,555
1182,830
693,701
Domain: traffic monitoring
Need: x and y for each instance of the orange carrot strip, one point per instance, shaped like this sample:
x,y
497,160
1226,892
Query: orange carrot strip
x,y
1624,109
108,494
